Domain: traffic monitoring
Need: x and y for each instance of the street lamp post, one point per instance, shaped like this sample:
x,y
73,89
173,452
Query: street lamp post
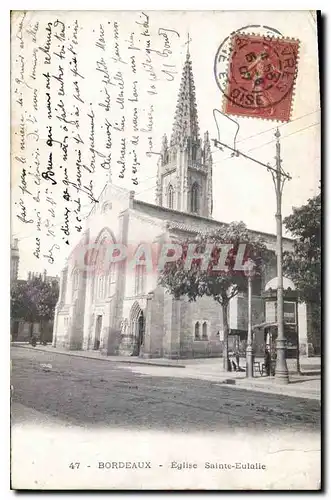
x,y
249,270
281,372
279,177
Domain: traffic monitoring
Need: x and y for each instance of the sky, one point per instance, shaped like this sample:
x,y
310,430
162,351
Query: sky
x,y
242,190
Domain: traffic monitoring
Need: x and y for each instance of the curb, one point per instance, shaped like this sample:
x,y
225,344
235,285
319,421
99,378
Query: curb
x,y
105,358
271,389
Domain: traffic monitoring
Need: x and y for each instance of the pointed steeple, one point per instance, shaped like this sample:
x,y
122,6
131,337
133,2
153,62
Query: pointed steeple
x,y
186,115
184,174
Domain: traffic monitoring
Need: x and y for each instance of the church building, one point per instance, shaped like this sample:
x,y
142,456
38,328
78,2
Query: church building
x,y
124,311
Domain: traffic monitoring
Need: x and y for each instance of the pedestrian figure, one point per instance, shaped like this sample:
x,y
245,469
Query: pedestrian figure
x,y
237,356
267,361
273,364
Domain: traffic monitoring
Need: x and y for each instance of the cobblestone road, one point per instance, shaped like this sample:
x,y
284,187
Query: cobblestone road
x,y
89,392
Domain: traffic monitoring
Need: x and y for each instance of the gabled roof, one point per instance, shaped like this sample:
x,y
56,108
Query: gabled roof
x,y
190,223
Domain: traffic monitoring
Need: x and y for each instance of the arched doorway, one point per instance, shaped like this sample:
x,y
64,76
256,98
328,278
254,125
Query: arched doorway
x,y
137,329
98,325
141,331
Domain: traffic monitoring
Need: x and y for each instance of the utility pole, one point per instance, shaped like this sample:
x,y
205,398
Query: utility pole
x,y
281,366
249,272
279,177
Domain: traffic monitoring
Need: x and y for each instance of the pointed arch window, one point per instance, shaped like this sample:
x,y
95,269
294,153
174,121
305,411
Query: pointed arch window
x,y
104,270
197,331
204,331
195,198
171,196
194,152
75,282
140,281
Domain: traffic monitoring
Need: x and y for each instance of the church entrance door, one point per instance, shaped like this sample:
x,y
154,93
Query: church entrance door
x,y
98,325
137,328
141,331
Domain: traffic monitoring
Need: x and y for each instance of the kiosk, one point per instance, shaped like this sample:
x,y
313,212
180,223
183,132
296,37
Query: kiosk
x,y
265,334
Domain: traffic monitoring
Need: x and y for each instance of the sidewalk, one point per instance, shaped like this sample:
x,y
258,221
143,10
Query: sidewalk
x,y
133,360
302,386
306,364
298,387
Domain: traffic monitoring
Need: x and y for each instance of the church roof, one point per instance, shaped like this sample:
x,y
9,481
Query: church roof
x,y
193,224
186,115
191,228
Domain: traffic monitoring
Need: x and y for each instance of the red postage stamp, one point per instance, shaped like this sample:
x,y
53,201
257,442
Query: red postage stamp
x,y
261,76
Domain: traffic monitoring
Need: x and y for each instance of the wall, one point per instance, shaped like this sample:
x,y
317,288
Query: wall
x,y
205,309
21,331
154,326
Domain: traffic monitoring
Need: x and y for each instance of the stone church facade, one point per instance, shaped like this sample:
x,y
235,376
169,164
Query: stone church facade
x,y
123,311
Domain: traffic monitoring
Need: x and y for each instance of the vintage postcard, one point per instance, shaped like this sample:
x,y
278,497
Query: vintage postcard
x,y
165,250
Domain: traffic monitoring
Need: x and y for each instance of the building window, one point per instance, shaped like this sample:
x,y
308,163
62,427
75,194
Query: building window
x,y
171,195
200,329
98,280
197,331
290,316
140,281
290,313
106,207
195,198
204,331
111,278
104,272
103,284
102,287
75,282
270,311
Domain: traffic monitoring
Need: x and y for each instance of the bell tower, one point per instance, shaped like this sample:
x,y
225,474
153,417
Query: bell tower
x,y
184,180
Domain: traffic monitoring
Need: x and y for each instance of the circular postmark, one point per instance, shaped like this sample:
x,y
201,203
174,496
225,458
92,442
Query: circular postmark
x,y
256,71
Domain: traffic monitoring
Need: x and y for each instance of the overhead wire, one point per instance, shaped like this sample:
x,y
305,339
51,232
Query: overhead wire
x,y
248,151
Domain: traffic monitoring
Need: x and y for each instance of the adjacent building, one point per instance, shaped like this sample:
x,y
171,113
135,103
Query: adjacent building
x,y
14,260
21,330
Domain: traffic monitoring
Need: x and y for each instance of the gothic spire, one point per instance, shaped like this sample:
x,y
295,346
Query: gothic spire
x,y
186,116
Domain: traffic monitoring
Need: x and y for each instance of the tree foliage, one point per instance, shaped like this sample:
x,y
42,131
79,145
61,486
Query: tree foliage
x,y
34,301
303,265
220,285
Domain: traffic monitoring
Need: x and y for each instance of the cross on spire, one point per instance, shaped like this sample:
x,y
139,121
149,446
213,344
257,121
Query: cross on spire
x,y
186,120
189,39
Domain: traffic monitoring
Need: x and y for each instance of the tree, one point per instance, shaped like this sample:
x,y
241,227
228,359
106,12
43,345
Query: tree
x,y
303,264
22,307
34,301
222,285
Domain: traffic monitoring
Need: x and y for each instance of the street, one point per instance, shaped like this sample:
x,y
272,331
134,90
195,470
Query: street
x,y
85,423
95,393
